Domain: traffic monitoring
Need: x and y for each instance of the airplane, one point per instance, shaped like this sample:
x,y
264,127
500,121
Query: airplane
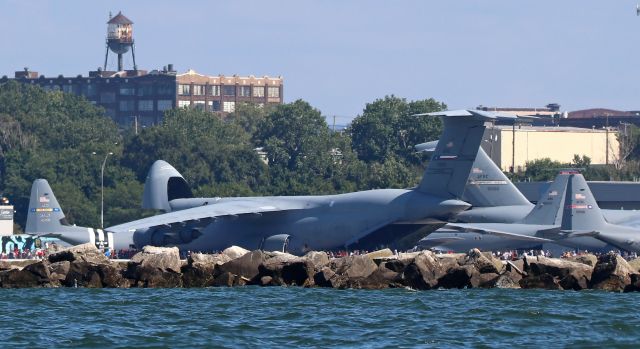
x,y
583,218
541,223
293,223
577,221
495,199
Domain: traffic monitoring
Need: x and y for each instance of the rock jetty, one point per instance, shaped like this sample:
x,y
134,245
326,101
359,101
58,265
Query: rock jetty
x,y
86,266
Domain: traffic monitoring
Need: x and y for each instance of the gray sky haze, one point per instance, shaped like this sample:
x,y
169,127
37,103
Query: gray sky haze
x,y
339,55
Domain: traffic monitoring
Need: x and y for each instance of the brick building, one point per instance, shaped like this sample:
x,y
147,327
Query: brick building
x,y
138,96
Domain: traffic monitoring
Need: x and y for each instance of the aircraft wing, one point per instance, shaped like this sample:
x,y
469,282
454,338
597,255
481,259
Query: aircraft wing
x,y
203,215
487,229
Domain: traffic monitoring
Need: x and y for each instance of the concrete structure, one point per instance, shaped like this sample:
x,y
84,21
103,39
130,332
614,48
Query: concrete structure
x,y
6,220
557,143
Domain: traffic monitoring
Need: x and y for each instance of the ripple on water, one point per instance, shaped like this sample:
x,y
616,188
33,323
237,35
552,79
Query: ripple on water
x,y
277,316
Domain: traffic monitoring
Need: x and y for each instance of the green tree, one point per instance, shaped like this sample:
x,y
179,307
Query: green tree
x,y
388,127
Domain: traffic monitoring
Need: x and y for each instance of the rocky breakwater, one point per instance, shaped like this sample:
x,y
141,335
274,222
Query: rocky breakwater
x,y
86,266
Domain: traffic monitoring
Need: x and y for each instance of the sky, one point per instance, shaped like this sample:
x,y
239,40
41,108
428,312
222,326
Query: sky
x,y
339,55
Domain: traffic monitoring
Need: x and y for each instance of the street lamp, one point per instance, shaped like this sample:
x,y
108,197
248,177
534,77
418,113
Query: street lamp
x,y
104,162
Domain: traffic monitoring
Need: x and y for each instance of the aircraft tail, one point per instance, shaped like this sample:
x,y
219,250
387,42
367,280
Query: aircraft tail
x,y
581,211
487,185
163,184
45,218
450,166
548,210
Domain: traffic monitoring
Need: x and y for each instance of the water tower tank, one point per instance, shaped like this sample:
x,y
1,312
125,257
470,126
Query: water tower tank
x,y
120,39
120,34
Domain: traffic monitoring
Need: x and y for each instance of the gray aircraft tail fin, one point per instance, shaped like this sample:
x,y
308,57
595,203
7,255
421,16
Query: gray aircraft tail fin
x,y
581,211
45,214
487,186
163,184
449,168
45,218
549,208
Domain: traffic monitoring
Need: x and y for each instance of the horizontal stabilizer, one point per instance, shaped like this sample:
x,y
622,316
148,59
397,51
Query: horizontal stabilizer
x,y
490,231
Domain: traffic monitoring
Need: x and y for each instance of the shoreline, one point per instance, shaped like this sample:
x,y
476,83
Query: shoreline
x,y
154,267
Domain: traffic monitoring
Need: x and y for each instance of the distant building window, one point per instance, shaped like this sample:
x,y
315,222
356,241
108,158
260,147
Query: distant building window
x,y
127,91
214,106
229,107
89,90
145,90
184,90
198,90
258,91
245,91
274,92
215,90
107,97
145,105
184,104
165,104
127,105
67,88
229,90
198,105
166,90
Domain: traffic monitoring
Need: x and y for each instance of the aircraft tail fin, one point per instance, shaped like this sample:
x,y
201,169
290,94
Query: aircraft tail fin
x,y
448,171
581,211
163,184
45,218
549,208
487,186
45,214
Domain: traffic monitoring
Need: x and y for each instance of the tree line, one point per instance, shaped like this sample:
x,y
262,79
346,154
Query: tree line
x,y
64,139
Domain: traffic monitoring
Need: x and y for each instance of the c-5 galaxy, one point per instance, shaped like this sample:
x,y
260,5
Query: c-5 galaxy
x,y
294,223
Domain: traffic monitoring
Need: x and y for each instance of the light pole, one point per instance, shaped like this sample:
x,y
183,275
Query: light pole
x,y
104,162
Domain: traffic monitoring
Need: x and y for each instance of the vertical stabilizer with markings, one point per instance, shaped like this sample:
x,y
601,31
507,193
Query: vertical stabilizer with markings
x,y
45,218
581,211
548,210
449,168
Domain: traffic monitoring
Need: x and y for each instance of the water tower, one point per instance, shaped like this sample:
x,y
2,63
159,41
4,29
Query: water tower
x,y
119,39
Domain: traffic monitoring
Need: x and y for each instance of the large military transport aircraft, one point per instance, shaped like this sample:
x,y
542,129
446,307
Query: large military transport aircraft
x,y
495,199
295,223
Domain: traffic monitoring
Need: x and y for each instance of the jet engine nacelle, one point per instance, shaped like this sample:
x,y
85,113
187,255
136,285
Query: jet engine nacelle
x,y
163,184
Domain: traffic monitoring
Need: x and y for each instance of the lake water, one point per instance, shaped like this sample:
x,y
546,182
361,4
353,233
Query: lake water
x,y
298,317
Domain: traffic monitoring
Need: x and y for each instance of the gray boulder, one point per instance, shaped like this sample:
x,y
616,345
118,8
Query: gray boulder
x,y
424,271
200,270
318,259
155,267
483,262
326,278
88,253
611,273
285,269
58,271
460,277
18,278
570,275
542,281
245,266
587,259
234,252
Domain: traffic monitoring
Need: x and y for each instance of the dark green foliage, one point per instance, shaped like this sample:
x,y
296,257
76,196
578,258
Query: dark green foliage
x,y
64,139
